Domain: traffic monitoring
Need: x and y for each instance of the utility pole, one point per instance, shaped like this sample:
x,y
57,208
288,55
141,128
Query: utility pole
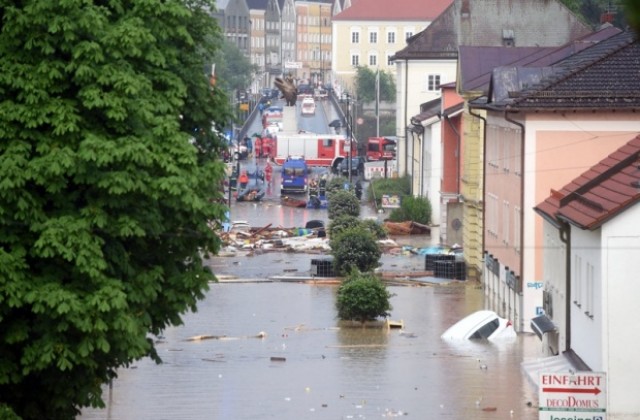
x,y
349,133
378,102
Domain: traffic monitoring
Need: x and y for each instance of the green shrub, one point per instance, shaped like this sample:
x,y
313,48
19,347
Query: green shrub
x,y
378,230
417,209
335,184
354,248
343,203
341,223
345,221
6,413
362,297
388,186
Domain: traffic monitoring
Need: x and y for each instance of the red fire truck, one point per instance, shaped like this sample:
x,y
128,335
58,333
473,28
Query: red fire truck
x,y
381,148
316,149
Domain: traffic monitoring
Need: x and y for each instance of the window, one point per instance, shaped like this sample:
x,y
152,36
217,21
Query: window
x,y
486,330
505,222
408,34
373,37
373,59
355,37
517,222
577,281
590,291
391,37
492,214
355,59
389,60
433,82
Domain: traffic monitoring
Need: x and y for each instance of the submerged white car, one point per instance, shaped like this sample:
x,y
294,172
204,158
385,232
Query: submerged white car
x,y
480,325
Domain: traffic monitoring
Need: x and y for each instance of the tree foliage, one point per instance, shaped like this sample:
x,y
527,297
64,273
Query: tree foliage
x,y
343,203
388,186
363,297
110,180
233,69
354,248
366,85
341,223
417,209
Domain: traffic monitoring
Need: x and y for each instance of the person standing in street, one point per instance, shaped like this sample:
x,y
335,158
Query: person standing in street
x,y
258,147
249,144
243,180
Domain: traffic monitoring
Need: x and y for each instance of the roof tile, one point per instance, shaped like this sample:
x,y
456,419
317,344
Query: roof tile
x,y
600,193
394,10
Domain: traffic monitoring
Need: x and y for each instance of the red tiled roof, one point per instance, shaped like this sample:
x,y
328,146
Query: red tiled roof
x,y
392,10
600,193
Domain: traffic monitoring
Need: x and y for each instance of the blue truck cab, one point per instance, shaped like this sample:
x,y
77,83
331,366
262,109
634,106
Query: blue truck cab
x,y
294,175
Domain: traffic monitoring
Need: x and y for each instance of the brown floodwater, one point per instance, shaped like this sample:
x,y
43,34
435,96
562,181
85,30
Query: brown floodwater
x,y
321,370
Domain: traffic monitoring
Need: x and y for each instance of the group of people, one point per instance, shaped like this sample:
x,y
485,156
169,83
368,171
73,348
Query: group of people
x,y
318,187
265,175
261,146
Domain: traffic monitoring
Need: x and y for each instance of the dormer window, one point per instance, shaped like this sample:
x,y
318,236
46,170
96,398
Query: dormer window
x,y
508,38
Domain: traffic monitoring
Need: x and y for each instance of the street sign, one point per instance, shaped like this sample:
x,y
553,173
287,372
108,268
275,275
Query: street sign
x,y
292,65
579,395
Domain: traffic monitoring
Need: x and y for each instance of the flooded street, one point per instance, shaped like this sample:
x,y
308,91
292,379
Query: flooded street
x,y
276,350
328,373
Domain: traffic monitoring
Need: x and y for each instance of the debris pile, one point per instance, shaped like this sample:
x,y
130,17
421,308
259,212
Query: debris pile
x,y
268,238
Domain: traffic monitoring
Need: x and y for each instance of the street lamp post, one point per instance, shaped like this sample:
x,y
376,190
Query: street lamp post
x,y
349,125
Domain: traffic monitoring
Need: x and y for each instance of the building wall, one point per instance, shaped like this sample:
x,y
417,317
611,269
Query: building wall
x,y
237,27
257,50
344,47
557,149
314,40
555,283
417,87
620,309
273,41
288,16
586,296
471,190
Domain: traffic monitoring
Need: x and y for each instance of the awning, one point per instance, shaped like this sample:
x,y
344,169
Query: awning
x,y
553,364
542,325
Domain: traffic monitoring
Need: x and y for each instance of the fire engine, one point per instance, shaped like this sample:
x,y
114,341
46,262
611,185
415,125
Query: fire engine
x,y
316,149
381,148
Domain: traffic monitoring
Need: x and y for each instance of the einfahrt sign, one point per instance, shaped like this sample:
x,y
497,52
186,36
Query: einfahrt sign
x,y
573,396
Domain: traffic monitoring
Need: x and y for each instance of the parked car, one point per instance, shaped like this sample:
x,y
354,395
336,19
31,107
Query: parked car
x,y
357,166
305,89
480,325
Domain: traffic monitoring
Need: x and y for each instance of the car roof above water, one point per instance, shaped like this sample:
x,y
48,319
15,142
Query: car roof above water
x,y
469,324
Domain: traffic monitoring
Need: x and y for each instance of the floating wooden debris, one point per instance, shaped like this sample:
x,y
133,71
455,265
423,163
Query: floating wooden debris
x,y
278,359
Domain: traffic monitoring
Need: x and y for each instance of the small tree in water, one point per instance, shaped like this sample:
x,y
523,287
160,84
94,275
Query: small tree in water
x,y
354,248
363,297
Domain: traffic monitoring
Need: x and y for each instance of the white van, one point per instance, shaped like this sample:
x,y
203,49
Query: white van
x,y
308,106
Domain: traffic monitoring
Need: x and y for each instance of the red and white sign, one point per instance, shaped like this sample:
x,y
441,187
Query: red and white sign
x,y
573,395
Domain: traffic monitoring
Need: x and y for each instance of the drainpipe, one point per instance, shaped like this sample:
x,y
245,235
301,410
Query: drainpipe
x,y
484,176
506,117
565,237
406,101
448,120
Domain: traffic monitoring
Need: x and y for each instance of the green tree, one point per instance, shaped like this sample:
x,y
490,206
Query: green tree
x,y
354,248
233,69
363,297
632,13
110,176
365,83
343,202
